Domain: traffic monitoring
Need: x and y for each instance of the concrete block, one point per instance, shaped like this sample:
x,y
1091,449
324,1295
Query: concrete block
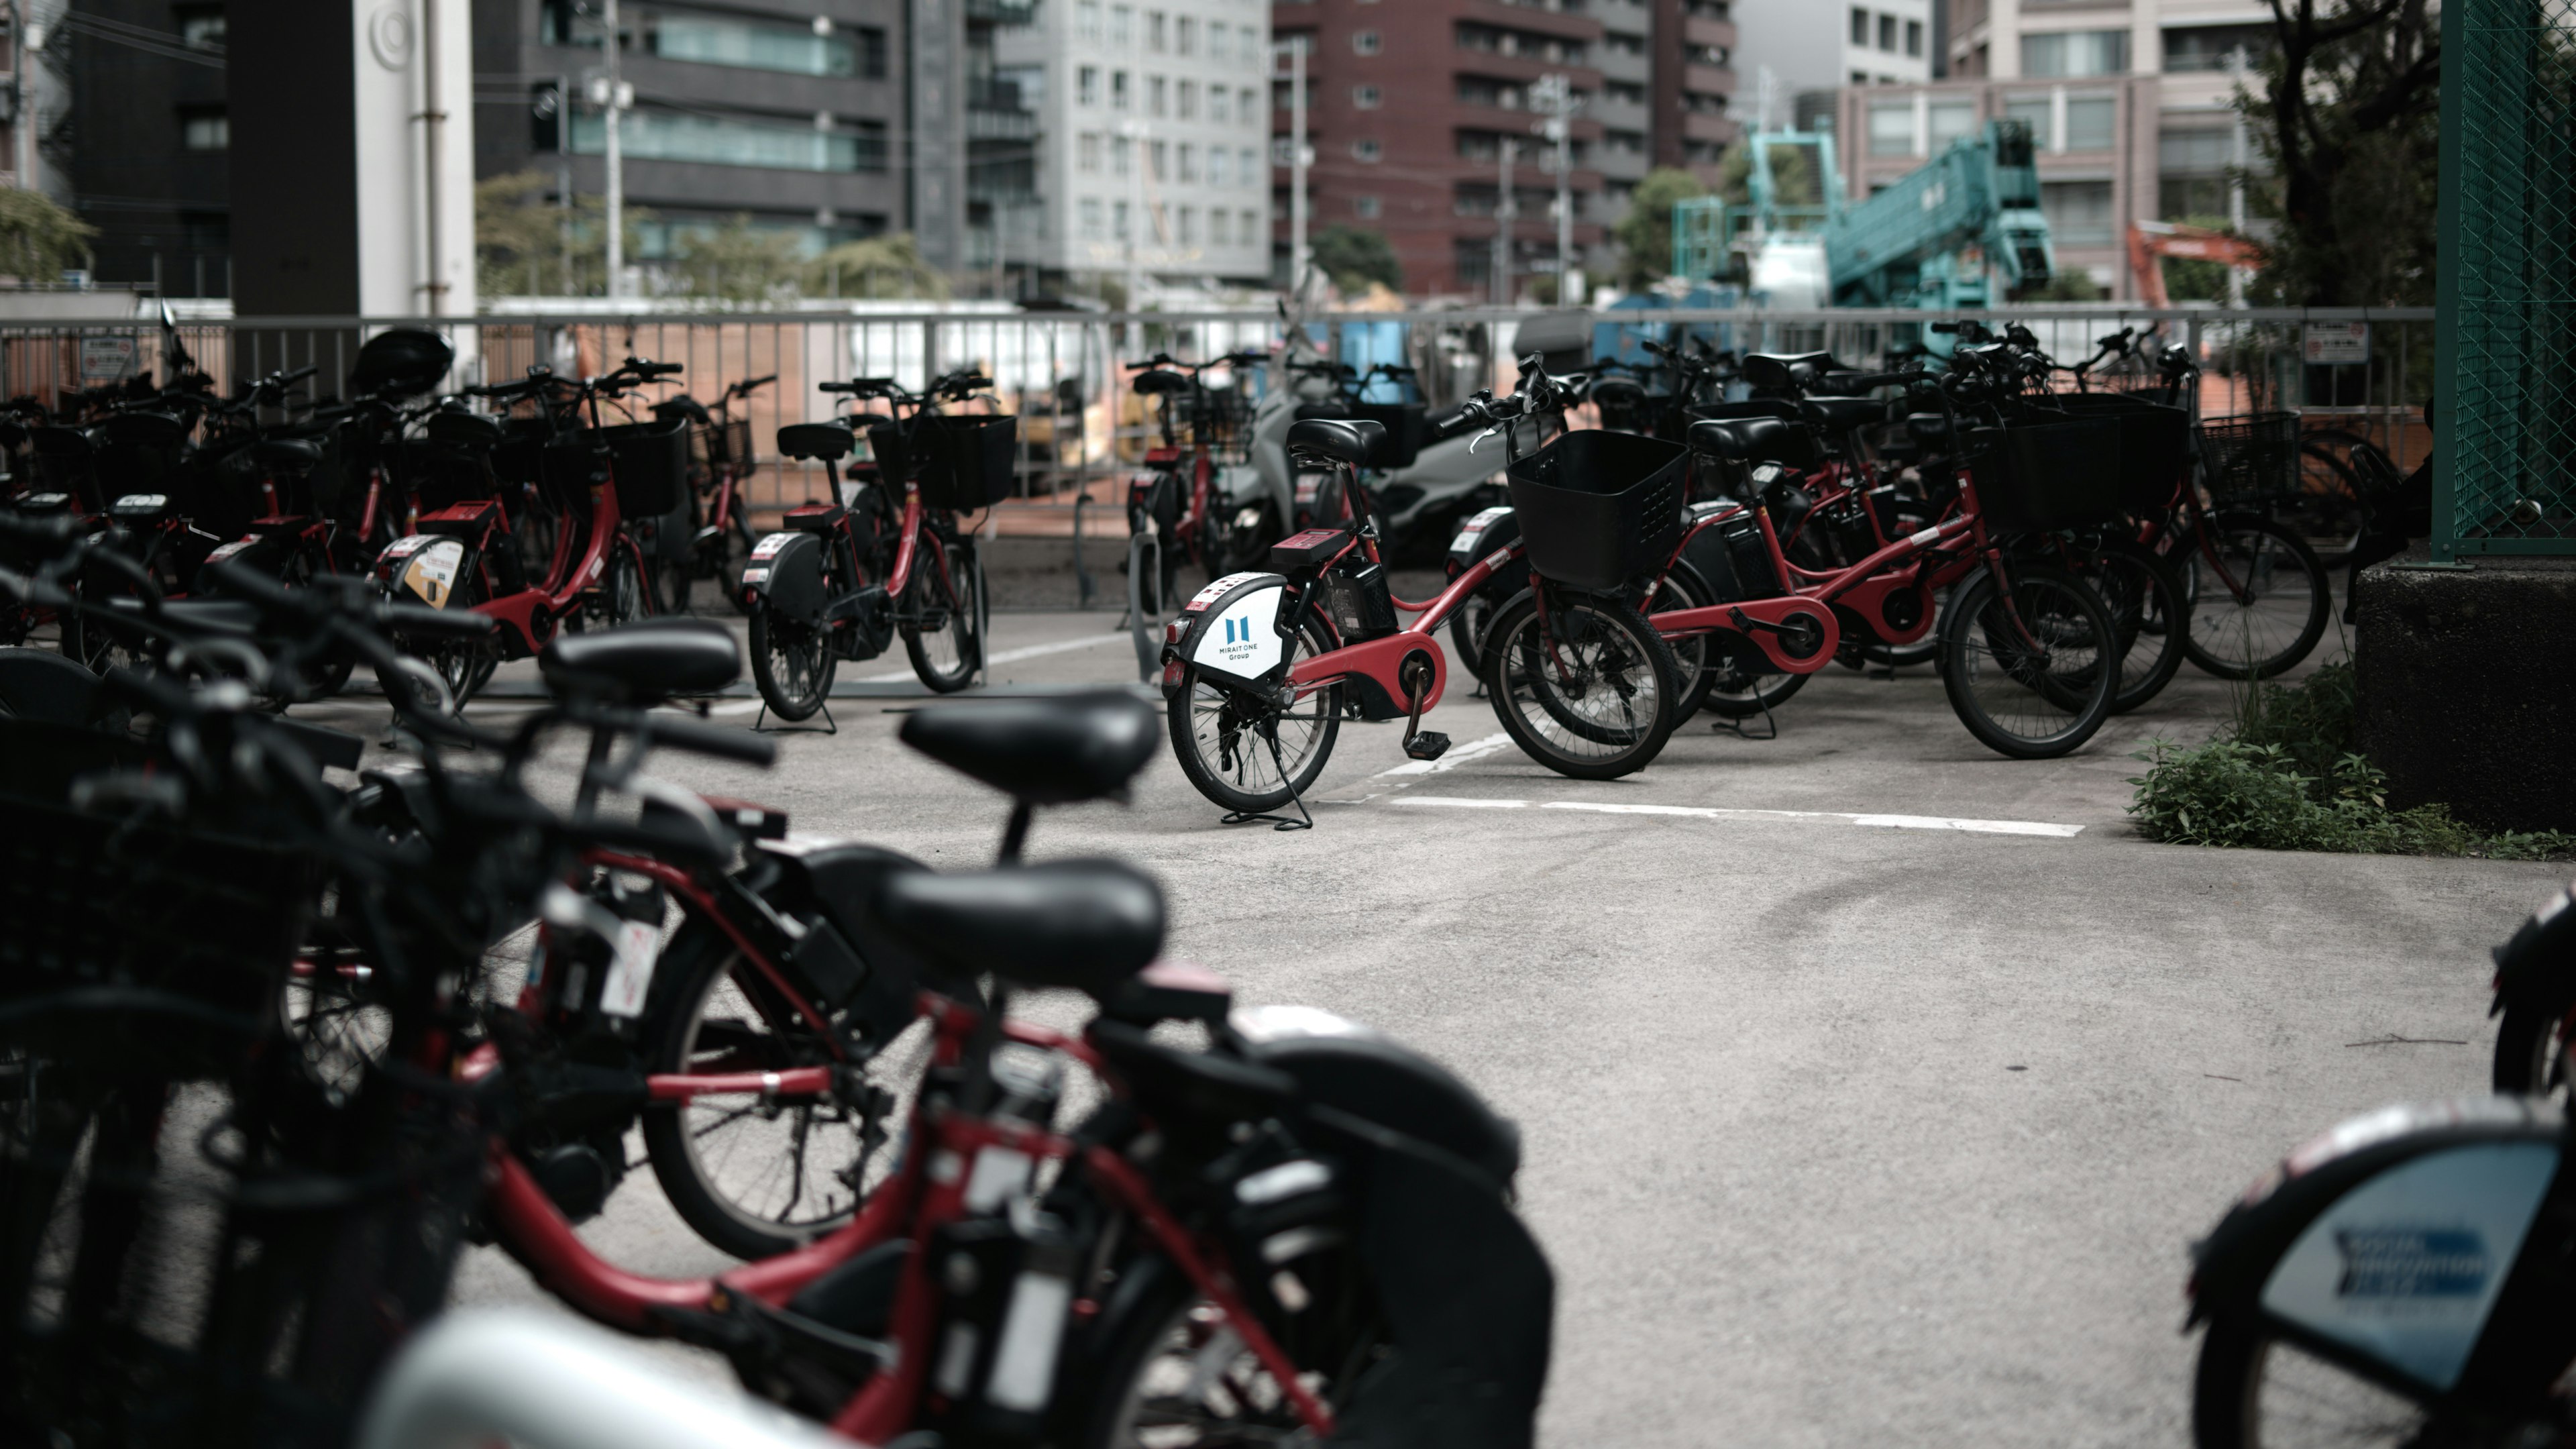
x,y
2468,687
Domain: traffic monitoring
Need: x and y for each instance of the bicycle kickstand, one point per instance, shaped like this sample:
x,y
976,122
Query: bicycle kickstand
x,y
1277,822
761,725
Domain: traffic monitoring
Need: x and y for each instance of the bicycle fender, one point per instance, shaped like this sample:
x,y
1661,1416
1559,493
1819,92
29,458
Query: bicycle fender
x,y
786,574
2538,966
1229,629
2398,1235
423,568
1483,532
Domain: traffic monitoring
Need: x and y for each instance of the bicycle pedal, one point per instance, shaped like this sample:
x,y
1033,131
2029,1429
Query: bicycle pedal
x,y
1427,745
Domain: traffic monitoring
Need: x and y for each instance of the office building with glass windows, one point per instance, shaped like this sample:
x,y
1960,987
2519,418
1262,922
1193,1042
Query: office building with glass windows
x,y
1154,128
791,114
2130,102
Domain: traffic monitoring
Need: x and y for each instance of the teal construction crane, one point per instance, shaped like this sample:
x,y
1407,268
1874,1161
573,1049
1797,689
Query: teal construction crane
x,y
1946,236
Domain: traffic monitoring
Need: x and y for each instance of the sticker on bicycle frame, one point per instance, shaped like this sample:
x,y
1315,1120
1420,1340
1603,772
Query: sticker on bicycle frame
x,y
408,544
998,1174
431,573
1242,639
2405,1268
756,574
634,949
144,500
1215,590
228,550
1474,528
770,544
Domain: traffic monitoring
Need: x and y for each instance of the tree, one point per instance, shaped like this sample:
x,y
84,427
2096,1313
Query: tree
x,y
1645,234
2348,123
1793,176
877,266
2063,286
525,245
1355,256
39,240
737,262
2187,280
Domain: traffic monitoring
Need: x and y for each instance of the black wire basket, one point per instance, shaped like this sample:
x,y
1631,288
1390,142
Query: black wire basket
x,y
2250,459
2042,476
2154,448
1600,508
962,461
727,444
1404,429
651,463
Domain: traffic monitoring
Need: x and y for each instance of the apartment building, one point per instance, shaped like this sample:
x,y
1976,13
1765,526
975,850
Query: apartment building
x,y
1154,126
2130,101
1809,49
138,135
792,112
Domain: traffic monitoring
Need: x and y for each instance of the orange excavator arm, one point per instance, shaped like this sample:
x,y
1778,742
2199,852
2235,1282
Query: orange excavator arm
x,y
2150,242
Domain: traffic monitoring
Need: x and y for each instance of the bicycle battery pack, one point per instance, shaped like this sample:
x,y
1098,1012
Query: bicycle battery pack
x,y
1229,630
1359,602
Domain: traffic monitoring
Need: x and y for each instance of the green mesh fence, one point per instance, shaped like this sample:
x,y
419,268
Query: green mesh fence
x,y
2505,465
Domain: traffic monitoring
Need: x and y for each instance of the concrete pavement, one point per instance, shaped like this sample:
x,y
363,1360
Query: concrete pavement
x,y
1838,1132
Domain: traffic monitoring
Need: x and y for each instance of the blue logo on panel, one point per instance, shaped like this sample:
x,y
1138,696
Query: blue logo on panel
x,y
2411,1262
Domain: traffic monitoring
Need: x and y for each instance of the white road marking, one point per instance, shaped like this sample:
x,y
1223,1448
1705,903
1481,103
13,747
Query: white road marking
x,y
1704,812
1014,656
1457,755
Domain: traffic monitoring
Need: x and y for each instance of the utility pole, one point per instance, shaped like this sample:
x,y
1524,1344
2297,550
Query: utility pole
x,y
1505,210
1553,97
1299,157
615,98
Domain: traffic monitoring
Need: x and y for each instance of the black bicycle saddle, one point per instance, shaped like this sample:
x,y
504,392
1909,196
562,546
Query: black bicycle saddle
x,y
1044,751
644,663
1349,440
1084,924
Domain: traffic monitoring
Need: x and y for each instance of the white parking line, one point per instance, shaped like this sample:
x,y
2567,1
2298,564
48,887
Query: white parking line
x,y
1704,812
1457,755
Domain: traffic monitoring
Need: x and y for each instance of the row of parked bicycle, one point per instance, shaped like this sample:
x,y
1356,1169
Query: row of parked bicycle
x,y
2057,551
268,1060
567,506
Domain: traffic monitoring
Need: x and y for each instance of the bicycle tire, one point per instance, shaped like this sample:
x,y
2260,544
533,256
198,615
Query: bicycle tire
x,y
1697,660
1229,722
733,555
2223,637
700,969
1601,654
2531,1051
2239,1355
2145,598
1980,644
961,601
792,665
1468,624
1144,617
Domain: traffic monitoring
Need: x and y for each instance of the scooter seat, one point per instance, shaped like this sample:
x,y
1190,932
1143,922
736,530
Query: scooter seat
x,y
1742,440
1159,381
1088,925
1842,414
644,663
825,442
1349,440
1044,751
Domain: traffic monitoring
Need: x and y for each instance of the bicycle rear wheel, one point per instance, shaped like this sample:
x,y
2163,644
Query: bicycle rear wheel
x,y
1223,739
792,663
2031,676
2276,610
1592,696
2145,598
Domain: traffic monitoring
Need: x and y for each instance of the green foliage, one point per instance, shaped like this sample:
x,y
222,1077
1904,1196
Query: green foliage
x,y
1356,256
1645,234
736,262
2187,280
2066,285
888,266
2289,776
1793,176
525,245
40,240
2345,117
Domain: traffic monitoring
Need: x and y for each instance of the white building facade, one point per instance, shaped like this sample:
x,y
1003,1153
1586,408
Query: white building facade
x,y
1808,47
1154,133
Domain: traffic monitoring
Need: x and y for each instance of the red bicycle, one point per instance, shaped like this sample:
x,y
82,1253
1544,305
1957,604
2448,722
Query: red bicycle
x,y
709,536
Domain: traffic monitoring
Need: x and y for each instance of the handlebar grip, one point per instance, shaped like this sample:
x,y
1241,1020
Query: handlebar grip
x,y
711,740
746,387
289,379
242,581
843,388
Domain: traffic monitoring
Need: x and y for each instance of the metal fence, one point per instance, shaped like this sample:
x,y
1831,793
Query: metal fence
x,y
2507,286
1082,432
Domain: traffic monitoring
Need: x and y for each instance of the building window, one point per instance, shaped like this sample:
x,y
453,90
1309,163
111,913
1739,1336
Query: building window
x,y
1086,21
1118,90
1364,42
1218,232
2079,212
1366,151
1252,53
2035,112
1118,220
1217,166
2075,53
1122,19
1859,26
1364,207
2091,123
1914,37
1189,226
205,130
1218,30
1154,32
1185,36
2192,167
201,27
1086,84
1949,121
1156,93
755,45
1279,148
1189,162
1891,128
1216,103
1244,109
1887,33
2216,47
1365,98
1243,163
1086,152
1158,159
1122,155
720,140
1860,77
1245,220
1090,219
1189,100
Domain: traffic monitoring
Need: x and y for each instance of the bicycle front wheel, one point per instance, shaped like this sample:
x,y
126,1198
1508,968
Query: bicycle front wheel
x,y
2145,598
1592,694
946,636
2031,674
2260,598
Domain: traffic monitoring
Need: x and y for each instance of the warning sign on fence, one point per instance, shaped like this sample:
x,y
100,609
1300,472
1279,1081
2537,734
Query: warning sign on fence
x,y
2335,342
107,359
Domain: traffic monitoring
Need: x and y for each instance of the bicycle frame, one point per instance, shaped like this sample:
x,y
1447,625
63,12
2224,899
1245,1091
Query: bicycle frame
x,y
927,1191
